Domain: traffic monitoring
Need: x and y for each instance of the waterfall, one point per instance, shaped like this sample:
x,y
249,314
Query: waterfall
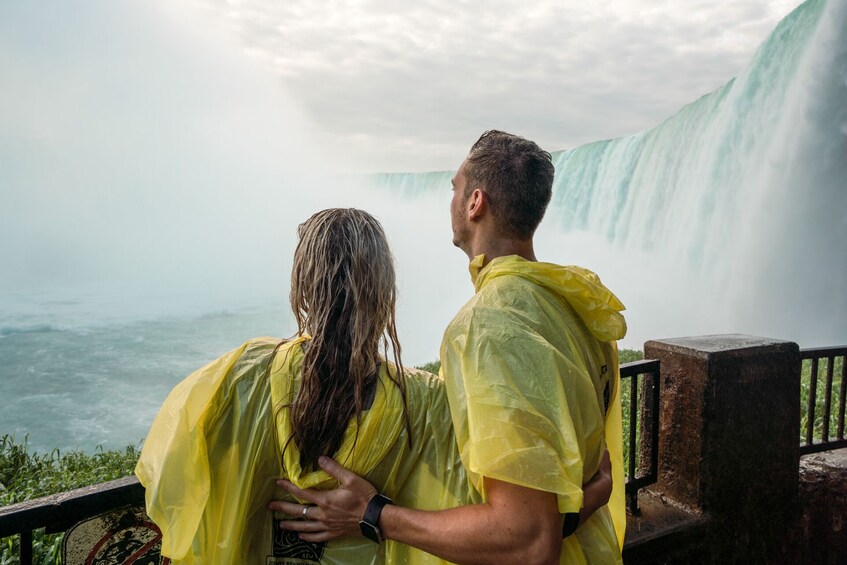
x,y
729,216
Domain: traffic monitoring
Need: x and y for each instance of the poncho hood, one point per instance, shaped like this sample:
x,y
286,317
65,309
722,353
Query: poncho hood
x,y
595,304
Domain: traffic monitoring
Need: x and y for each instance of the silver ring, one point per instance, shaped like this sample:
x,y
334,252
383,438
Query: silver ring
x,y
305,511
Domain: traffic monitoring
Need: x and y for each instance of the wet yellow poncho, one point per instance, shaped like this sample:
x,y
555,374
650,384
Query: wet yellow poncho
x,y
214,450
530,366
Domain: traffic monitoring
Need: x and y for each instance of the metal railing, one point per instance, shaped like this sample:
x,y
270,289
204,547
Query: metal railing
x,y
641,442
57,513
816,431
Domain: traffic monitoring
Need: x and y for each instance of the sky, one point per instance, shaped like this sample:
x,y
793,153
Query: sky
x,y
408,86
383,85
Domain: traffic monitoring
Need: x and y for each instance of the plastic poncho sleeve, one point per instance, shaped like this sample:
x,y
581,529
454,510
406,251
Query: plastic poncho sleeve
x,y
514,420
210,455
183,475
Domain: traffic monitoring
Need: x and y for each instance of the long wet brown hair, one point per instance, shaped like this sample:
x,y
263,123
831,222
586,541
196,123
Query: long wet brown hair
x,y
343,295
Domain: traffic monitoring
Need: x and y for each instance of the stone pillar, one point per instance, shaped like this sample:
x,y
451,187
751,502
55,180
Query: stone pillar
x,y
729,436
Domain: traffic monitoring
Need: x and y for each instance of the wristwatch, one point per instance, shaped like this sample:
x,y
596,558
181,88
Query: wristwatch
x,y
369,522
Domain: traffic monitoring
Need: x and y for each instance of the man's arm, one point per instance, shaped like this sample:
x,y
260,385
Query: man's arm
x,y
597,491
515,524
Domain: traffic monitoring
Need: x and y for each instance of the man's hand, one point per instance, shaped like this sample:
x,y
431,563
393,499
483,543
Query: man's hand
x,y
597,490
338,511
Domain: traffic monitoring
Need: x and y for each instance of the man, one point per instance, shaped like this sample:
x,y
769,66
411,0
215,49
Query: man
x,y
530,367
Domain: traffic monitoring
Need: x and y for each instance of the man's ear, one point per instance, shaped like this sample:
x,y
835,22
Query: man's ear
x,y
477,204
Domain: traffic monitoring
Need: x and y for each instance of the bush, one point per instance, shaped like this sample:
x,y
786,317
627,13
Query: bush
x,y
26,475
820,396
431,367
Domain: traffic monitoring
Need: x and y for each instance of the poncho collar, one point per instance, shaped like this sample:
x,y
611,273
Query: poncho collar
x,y
581,288
378,429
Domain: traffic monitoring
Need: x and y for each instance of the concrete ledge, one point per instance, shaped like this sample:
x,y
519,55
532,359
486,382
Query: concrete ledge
x,y
823,499
662,531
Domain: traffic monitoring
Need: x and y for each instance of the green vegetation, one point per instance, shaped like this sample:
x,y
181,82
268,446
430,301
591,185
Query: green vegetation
x,y
25,475
820,395
628,356
432,367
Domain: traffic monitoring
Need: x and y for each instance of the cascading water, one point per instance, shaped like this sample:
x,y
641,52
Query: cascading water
x,y
730,216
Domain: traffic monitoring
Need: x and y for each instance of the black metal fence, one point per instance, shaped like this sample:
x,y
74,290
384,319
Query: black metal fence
x,y
641,426
57,513
823,392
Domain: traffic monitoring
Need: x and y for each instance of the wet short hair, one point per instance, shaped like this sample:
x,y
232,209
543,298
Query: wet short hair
x,y
516,175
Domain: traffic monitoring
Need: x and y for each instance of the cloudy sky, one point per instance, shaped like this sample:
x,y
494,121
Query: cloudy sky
x,y
409,85
382,85
129,117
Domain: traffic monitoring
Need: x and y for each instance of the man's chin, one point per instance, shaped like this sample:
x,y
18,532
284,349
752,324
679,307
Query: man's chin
x,y
466,250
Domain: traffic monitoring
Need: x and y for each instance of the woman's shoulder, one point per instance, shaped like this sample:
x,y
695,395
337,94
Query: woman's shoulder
x,y
425,392
261,346
255,354
260,351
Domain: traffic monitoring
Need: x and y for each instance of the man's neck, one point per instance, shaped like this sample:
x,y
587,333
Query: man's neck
x,y
501,247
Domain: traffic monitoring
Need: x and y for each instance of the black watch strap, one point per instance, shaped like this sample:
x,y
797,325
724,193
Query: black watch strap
x,y
369,525
570,524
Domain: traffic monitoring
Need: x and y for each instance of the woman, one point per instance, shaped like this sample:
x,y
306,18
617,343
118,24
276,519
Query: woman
x,y
270,408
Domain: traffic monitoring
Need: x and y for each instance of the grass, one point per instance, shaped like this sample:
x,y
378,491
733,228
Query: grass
x,y
628,356
25,475
820,394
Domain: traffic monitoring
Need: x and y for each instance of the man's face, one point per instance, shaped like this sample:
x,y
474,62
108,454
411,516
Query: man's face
x,y
458,215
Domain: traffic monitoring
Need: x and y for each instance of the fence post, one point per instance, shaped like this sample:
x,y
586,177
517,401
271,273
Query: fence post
x,y
729,435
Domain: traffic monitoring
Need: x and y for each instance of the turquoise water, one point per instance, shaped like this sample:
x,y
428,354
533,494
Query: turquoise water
x,y
82,386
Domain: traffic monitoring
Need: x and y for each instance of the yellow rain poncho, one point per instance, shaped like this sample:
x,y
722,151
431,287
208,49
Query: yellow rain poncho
x,y
214,450
531,370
